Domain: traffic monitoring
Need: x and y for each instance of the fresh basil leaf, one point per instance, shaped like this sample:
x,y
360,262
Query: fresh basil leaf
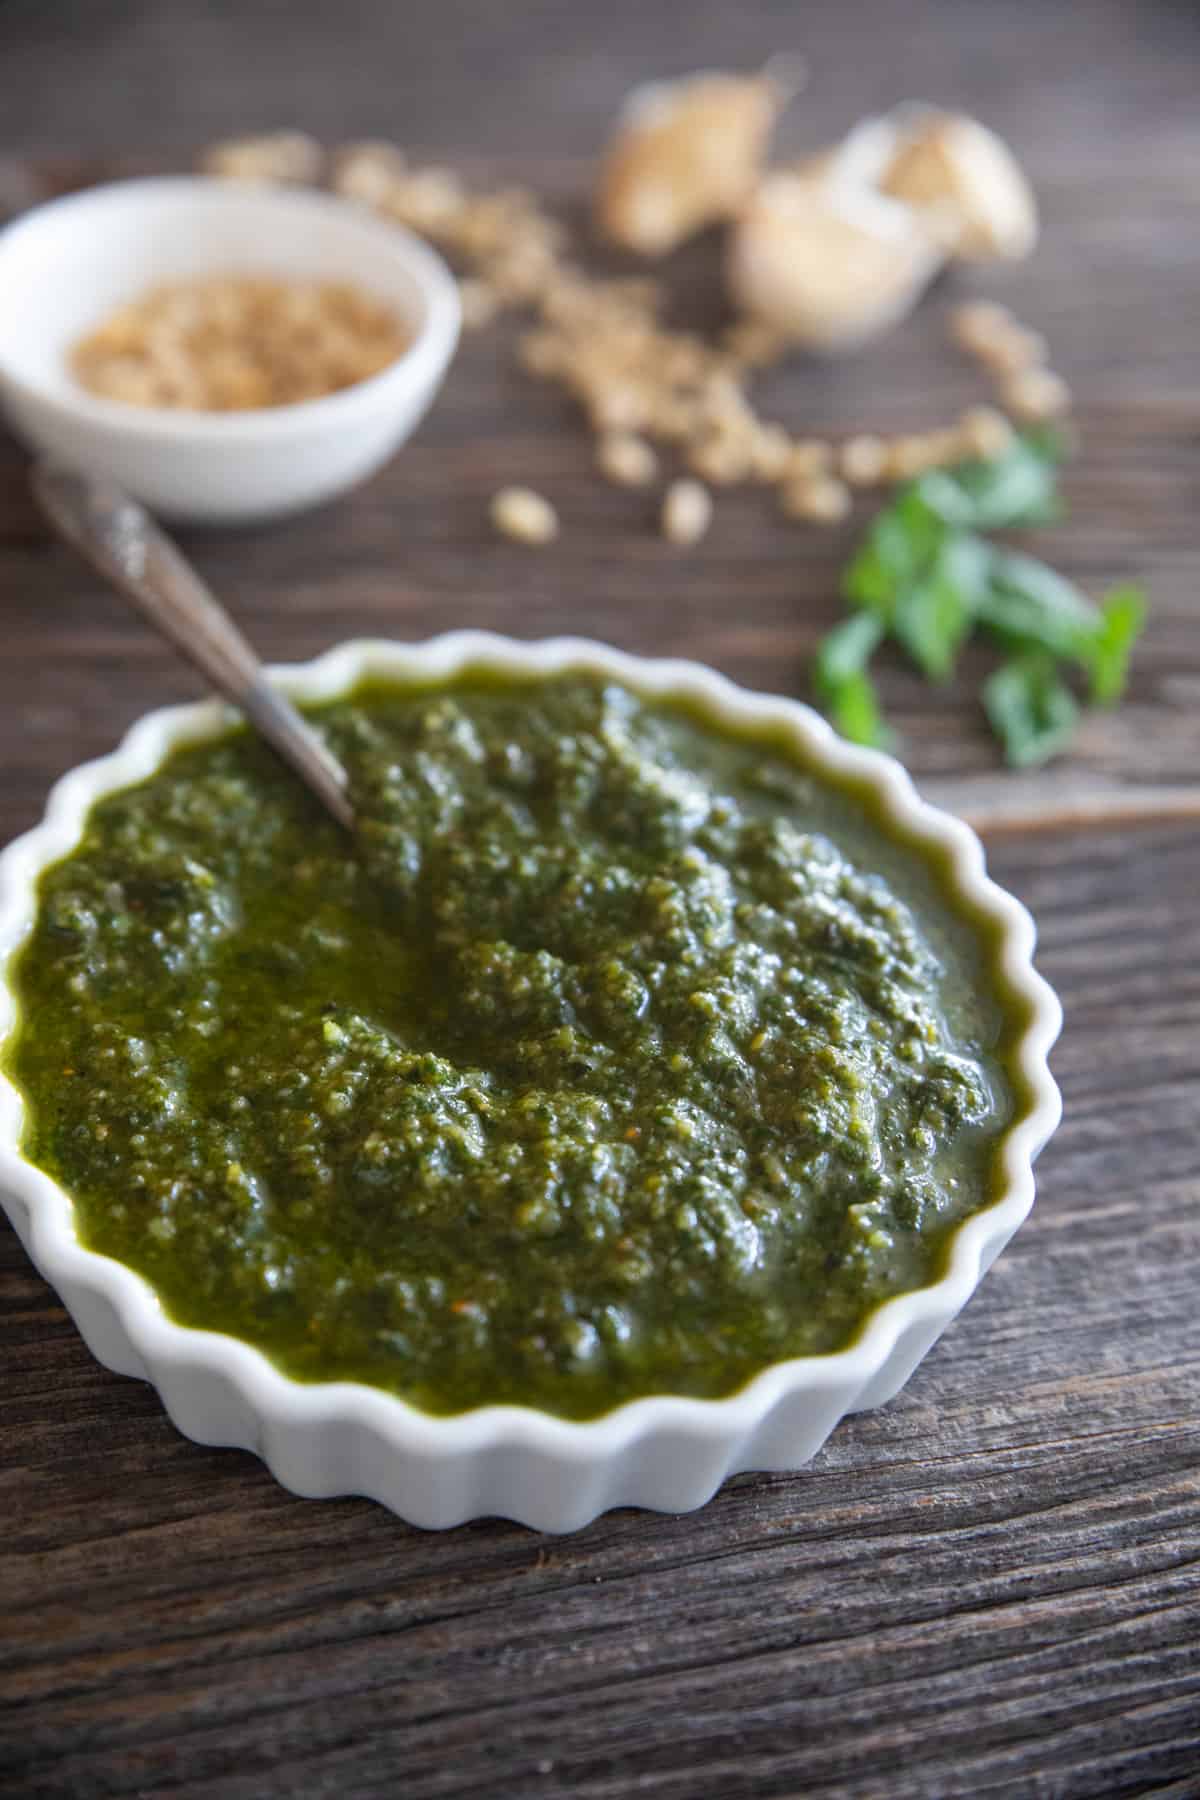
x,y
934,619
1026,576
1016,488
967,561
1030,709
1028,606
899,548
870,580
931,621
853,710
926,576
1122,616
842,683
847,649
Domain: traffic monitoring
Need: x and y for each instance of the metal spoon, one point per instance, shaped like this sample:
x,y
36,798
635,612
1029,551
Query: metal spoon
x,y
121,541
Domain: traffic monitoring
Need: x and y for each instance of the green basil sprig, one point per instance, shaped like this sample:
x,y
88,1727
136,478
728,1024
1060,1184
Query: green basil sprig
x,y
926,577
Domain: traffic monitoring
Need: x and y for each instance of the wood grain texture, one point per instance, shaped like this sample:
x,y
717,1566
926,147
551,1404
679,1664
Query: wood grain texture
x,y
992,1586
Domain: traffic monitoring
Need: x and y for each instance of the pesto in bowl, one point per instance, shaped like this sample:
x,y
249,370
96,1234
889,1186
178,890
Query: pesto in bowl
x,y
625,1054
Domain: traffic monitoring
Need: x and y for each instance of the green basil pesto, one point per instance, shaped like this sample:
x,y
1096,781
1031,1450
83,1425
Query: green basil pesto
x,y
620,1057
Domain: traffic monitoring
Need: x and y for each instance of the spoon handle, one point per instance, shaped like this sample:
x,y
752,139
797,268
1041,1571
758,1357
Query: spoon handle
x,y
121,541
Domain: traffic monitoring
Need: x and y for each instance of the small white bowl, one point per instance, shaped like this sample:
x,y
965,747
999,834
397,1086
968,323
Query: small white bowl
x,y
665,1452
65,266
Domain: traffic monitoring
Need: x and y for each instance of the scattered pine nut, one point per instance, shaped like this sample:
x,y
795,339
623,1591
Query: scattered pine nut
x,y
626,459
429,197
686,512
722,459
523,515
271,156
911,456
996,339
985,431
368,172
978,323
809,456
1013,352
864,461
619,407
480,303
821,499
1037,394
770,448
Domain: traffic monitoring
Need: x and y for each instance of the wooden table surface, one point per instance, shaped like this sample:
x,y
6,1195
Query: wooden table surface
x,y
991,1586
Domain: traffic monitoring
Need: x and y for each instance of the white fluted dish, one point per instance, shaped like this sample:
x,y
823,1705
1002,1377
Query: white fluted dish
x,y
664,1452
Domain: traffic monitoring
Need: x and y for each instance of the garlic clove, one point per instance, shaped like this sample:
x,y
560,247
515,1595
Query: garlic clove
x,y
859,160
827,263
966,181
685,154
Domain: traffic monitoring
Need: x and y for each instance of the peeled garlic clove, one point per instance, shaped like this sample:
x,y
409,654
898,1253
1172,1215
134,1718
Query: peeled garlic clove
x,y
686,153
967,180
827,264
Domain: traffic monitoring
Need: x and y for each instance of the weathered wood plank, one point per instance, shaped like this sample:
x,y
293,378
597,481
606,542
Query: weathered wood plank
x,y
990,1587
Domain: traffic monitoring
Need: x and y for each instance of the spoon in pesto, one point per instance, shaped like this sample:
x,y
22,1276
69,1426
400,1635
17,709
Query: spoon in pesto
x,y
118,538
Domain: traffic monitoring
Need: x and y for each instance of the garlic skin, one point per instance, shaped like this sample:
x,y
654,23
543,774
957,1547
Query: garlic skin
x,y
685,154
826,262
967,183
